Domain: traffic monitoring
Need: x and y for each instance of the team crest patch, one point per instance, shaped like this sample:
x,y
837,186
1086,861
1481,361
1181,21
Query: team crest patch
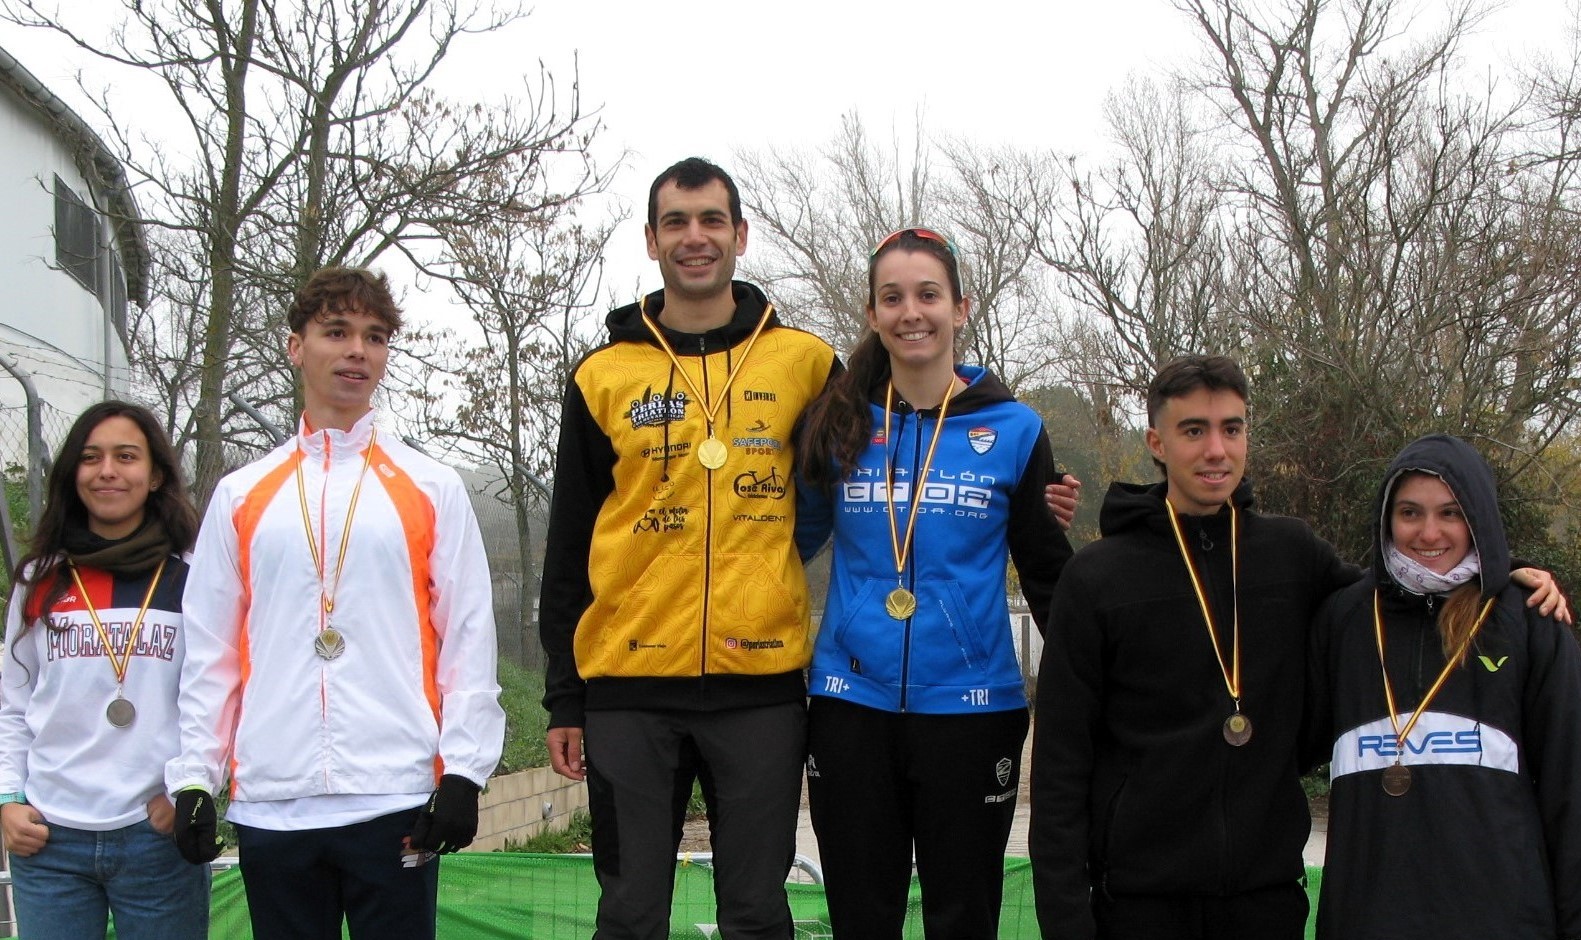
x,y
982,439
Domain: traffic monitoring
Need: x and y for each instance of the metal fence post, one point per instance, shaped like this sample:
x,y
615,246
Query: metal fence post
x,y
37,456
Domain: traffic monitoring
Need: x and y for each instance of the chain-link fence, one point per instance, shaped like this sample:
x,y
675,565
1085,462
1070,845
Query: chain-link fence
x,y
29,436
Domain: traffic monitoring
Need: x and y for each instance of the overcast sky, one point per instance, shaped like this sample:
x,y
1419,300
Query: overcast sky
x,y
672,80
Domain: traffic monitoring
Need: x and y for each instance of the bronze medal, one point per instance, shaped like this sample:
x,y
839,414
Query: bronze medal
x,y
900,603
1237,729
1396,779
329,644
120,713
712,453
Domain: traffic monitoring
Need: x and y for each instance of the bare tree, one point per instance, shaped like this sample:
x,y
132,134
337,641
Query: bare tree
x,y
1367,239
313,139
821,215
530,278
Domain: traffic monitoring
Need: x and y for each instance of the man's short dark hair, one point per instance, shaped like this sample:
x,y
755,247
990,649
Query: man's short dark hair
x,y
1185,374
693,173
344,290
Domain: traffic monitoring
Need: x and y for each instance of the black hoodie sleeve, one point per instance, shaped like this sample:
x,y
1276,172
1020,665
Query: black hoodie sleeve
x,y
584,477
1551,713
1317,715
1069,711
1038,545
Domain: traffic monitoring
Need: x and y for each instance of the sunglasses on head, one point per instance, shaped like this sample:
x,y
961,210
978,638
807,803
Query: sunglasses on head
x,y
924,233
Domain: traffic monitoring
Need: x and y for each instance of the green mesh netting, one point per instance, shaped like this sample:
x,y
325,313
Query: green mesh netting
x,y
554,897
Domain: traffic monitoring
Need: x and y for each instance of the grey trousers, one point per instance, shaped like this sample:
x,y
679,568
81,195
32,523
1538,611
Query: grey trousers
x,y
640,768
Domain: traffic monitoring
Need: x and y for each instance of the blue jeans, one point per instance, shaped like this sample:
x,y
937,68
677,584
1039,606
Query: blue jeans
x,y
69,888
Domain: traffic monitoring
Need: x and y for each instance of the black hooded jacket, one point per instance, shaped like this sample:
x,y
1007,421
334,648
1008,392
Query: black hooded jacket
x,y
1135,789
1487,840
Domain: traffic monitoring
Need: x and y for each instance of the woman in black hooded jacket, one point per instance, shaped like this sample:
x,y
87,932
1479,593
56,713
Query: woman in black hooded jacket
x,y
1454,712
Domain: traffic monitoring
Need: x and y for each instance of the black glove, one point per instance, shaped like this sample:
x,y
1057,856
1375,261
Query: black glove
x,y
196,826
450,820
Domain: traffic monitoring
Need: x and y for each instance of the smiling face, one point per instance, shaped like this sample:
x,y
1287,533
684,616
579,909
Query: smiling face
x,y
341,356
115,474
695,242
913,311
1200,438
1427,524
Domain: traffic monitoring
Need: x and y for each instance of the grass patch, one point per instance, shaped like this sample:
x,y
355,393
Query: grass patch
x,y
521,695
577,837
1316,783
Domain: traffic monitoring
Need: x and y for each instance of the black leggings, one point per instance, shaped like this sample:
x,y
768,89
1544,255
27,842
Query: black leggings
x,y
882,785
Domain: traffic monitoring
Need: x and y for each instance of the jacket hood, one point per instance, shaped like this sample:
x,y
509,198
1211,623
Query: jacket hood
x,y
1469,477
625,323
1135,505
983,388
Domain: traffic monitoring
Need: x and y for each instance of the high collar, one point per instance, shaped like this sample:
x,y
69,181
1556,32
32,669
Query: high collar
x,y
336,443
983,388
625,323
1135,505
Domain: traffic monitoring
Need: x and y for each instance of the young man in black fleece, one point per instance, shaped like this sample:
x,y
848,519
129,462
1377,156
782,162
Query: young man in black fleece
x,y
1166,795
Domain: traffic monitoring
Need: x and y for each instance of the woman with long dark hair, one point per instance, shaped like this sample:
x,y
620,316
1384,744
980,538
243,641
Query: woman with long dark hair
x,y
931,474
94,646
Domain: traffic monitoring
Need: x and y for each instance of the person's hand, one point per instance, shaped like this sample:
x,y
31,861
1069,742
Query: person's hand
x,y
1546,596
565,753
196,826
162,814
1062,498
450,819
24,829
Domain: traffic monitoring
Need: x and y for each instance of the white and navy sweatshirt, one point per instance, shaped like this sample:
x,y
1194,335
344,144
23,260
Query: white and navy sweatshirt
x,y
56,745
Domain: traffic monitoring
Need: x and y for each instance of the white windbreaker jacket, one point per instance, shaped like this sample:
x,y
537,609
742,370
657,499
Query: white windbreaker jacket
x,y
415,693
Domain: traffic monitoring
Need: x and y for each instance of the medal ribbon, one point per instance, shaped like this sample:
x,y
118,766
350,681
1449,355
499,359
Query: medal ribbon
x,y
902,549
1388,690
1232,675
709,410
327,596
118,665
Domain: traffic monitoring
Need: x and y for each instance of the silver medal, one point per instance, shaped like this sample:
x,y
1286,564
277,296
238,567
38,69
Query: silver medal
x,y
120,713
329,644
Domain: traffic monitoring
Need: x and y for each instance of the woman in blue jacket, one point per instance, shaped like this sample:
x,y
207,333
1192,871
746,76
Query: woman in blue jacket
x,y
929,472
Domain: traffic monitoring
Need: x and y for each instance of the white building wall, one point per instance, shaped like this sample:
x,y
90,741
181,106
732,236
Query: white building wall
x,y
51,325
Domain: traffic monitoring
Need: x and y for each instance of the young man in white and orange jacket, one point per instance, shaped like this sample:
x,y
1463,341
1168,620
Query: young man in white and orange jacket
x,y
341,651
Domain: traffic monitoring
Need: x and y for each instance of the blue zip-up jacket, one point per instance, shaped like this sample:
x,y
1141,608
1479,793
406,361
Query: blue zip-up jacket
x,y
983,494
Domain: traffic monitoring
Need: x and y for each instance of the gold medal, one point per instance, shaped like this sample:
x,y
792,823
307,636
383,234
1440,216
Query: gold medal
x,y
1237,729
120,713
329,644
1396,779
900,603
712,453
